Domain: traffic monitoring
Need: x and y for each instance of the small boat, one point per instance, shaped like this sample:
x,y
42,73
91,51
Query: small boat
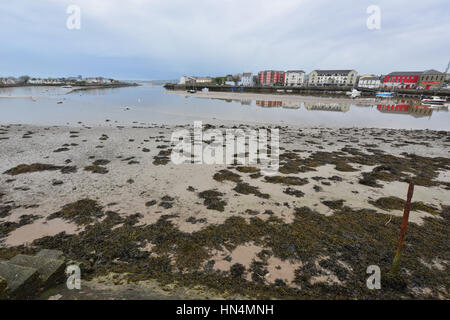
x,y
59,102
68,87
192,91
354,93
434,101
384,94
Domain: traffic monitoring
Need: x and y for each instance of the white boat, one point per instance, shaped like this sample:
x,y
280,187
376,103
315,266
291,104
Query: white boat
x,y
68,87
354,93
384,94
434,101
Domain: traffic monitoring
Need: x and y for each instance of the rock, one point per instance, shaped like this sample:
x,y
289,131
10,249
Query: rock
x,y
51,271
252,212
3,288
165,205
150,203
23,282
52,254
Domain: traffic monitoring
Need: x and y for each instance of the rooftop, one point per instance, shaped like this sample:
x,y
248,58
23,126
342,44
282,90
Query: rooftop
x,y
405,73
325,72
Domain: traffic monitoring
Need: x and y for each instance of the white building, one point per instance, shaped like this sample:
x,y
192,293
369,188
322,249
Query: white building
x,y
332,78
294,78
35,81
246,79
199,80
185,79
369,81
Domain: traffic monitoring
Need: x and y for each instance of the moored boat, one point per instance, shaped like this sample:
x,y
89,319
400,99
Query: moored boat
x,y
354,93
384,94
434,101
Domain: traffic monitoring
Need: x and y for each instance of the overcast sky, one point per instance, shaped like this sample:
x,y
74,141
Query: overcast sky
x,y
164,39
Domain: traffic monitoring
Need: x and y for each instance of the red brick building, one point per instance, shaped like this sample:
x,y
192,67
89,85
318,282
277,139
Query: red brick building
x,y
429,79
271,77
402,79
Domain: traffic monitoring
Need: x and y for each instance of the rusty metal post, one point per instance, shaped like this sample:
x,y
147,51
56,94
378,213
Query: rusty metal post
x,y
403,227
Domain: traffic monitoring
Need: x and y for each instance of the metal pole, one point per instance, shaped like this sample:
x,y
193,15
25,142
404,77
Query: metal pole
x,y
396,261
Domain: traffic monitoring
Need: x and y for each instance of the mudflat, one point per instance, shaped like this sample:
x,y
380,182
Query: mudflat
x,y
111,198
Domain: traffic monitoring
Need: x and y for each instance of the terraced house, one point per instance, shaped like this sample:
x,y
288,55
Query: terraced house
x,y
369,81
271,77
429,79
332,78
295,78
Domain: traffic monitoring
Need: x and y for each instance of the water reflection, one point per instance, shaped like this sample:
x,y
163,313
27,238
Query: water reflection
x,y
411,109
269,103
152,104
278,104
322,106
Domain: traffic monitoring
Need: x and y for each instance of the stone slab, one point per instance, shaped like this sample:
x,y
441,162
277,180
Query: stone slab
x,y
23,282
51,271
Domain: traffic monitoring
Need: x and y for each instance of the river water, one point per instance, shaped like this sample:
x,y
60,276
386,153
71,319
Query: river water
x,y
148,104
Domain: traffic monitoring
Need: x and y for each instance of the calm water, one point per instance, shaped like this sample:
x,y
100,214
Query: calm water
x,y
151,104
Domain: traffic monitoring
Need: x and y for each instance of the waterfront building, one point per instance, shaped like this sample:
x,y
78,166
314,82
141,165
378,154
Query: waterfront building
x,y
431,79
246,79
271,77
369,81
332,78
195,80
94,80
402,79
35,81
295,78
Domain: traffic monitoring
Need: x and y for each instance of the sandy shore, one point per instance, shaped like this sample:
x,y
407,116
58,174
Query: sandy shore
x,y
338,175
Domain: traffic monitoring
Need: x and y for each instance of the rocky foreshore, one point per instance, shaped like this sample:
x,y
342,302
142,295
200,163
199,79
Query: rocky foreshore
x,y
110,198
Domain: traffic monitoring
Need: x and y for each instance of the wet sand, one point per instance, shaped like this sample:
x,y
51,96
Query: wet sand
x,y
128,180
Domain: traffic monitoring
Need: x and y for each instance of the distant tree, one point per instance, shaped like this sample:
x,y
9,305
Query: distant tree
x,y
220,80
24,79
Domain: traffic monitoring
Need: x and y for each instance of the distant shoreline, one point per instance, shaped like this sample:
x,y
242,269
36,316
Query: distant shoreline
x,y
77,87
108,86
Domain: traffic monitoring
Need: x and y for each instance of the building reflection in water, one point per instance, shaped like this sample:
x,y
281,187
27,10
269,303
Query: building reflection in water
x,y
412,109
278,104
269,104
406,107
322,106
